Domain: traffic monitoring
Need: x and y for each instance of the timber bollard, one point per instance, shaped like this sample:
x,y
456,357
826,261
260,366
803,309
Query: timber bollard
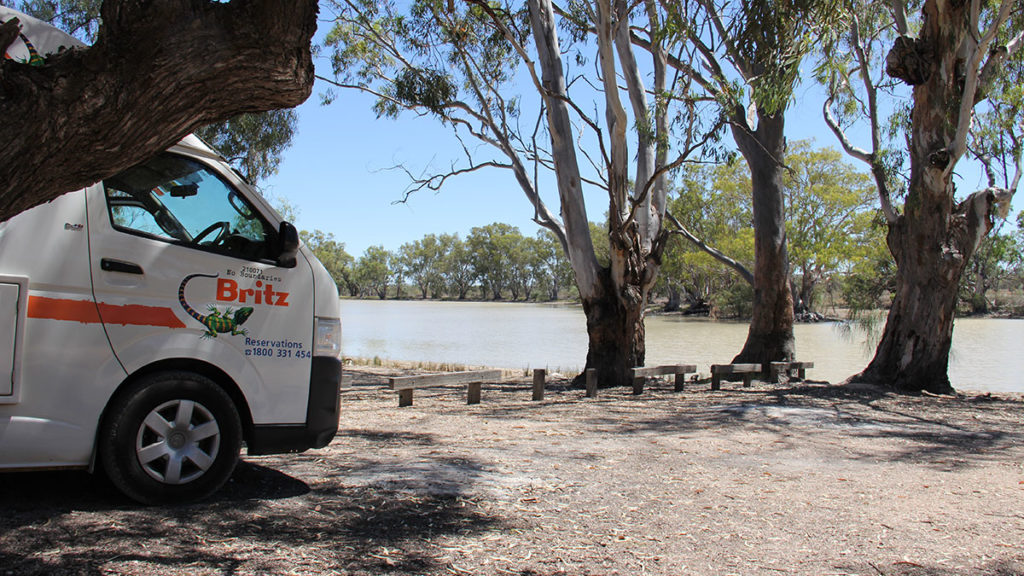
x,y
591,383
539,374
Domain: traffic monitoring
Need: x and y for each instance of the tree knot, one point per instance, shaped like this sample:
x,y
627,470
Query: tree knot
x,y
939,159
906,61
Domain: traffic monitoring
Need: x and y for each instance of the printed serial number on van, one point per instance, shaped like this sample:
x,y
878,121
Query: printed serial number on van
x,y
257,274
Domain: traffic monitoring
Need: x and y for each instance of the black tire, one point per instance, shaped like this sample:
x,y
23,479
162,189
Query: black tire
x,y
170,437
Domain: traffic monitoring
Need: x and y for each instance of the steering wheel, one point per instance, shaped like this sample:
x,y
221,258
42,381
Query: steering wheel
x,y
225,231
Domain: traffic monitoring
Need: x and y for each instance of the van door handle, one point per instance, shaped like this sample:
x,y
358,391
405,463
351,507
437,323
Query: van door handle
x,y
120,266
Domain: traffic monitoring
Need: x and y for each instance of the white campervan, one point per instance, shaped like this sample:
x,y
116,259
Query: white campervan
x,y
153,322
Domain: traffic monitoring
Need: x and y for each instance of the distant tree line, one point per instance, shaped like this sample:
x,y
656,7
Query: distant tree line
x,y
495,262
837,251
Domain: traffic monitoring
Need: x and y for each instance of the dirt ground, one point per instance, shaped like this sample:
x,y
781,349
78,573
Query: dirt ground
x,y
775,479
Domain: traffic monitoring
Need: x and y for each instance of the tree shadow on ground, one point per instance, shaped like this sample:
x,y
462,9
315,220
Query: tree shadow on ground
x,y
947,432
346,530
263,521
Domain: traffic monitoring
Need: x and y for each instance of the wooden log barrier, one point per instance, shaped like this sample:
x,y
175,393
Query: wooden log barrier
x,y
641,373
405,385
776,369
747,370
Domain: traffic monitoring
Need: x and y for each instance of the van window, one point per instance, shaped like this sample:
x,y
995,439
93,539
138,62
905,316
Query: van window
x,y
179,200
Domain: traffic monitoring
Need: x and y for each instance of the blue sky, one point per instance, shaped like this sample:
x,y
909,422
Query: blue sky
x,y
336,173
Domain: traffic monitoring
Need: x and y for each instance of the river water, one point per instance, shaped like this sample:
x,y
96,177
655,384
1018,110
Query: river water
x,y
986,355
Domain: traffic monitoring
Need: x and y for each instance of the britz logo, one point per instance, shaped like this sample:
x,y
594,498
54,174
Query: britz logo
x,y
228,291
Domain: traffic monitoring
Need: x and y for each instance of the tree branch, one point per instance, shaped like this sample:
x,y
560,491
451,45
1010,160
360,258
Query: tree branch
x,y
158,71
714,253
869,158
971,81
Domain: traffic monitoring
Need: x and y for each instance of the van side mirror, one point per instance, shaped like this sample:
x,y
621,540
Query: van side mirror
x,y
288,245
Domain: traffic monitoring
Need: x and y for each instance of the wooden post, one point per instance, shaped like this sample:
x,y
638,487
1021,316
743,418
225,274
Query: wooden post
x,y
539,374
405,397
473,393
591,383
716,380
680,381
638,385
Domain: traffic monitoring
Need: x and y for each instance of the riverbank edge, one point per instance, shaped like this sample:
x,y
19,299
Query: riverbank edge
x,y
410,368
658,309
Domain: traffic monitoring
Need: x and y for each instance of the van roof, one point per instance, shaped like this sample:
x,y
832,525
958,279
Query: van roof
x,y
37,40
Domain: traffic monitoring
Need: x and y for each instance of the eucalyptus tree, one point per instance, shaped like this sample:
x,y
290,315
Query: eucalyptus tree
x,y
712,211
456,266
492,250
747,57
146,82
331,254
423,258
555,273
252,142
951,57
460,61
997,259
373,272
830,207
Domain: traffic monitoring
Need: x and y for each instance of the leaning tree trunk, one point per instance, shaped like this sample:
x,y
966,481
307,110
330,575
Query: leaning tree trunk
x,y
770,337
933,241
913,354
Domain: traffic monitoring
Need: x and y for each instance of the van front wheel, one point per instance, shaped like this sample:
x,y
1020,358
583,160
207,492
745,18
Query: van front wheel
x,y
170,437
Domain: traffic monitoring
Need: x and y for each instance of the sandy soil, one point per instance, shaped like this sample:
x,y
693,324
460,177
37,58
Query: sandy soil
x,y
803,479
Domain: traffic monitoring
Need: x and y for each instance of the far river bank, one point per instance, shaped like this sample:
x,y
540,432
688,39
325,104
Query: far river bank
x,y
522,336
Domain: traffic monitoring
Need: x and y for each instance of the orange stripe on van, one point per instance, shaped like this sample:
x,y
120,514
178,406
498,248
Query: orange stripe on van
x,y
86,311
60,309
138,315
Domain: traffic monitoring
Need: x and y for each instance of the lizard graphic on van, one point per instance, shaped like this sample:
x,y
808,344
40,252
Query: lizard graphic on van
x,y
34,58
216,322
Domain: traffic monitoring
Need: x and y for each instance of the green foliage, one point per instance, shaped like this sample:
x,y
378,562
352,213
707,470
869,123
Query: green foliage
x,y
712,202
736,300
830,211
555,271
494,261
456,266
419,56
422,260
429,89
332,255
997,134
773,36
870,281
832,227
495,250
599,238
80,18
839,71
996,262
373,272
253,143
288,211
